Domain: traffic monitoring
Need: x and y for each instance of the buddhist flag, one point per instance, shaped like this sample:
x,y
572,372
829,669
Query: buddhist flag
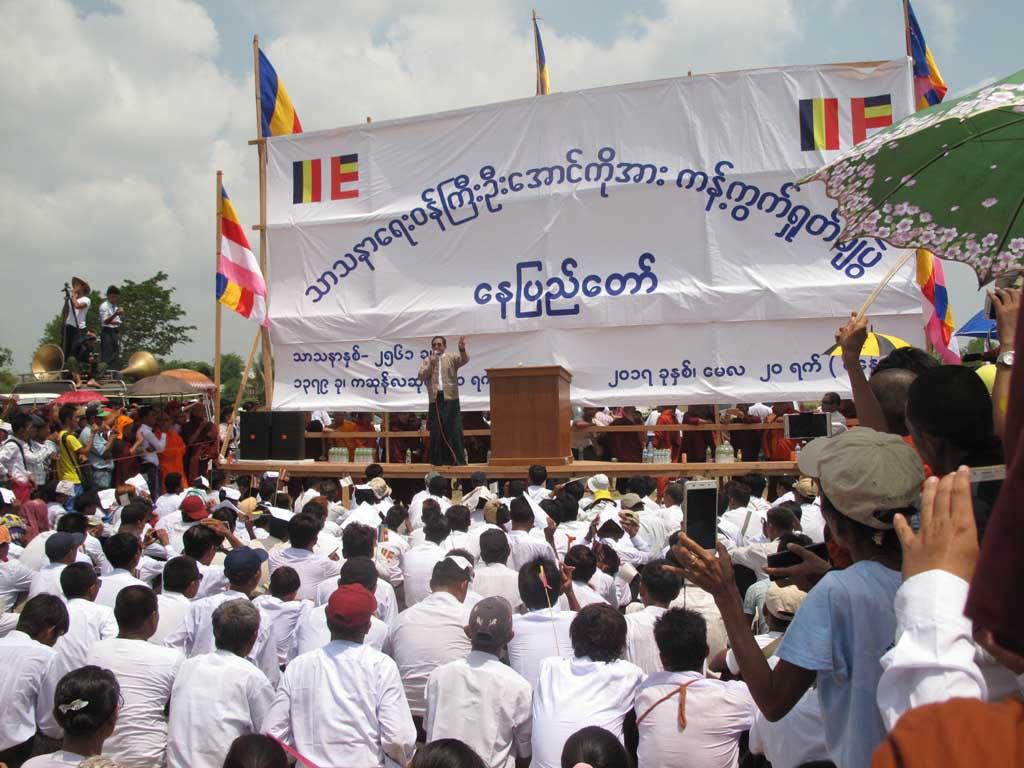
x,y
939,330
240,284
870,112
543,81
277,115
306,181
344,177
819,124
929,87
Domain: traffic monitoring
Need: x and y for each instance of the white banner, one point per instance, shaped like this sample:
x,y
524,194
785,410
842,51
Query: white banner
x,y
650,238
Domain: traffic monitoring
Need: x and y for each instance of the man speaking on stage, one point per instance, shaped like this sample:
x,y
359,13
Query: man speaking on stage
x,y
440,372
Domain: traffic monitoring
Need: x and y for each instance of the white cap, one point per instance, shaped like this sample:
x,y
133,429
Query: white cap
x,y
598,482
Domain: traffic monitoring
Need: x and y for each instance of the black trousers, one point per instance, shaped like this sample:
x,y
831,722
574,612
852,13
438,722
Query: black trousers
x,y
69,340
152,474
444,420
110,341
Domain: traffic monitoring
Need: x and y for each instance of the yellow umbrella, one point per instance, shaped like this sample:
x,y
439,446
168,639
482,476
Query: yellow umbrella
x,y
876,345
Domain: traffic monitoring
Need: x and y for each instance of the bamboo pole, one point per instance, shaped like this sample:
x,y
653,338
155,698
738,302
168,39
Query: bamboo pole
x,y
217,306
268,373
241,389
885,281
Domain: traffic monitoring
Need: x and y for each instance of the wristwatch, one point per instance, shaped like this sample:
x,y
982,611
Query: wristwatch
x,y
1005,358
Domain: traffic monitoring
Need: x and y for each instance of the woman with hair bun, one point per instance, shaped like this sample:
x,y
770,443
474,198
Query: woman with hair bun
x,y
85,704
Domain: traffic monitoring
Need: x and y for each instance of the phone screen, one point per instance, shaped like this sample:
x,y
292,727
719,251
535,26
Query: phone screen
x,y
702,515
805,426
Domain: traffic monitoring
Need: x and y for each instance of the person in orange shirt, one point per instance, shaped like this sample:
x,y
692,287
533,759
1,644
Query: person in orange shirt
x,y
775,446
172,460
668,438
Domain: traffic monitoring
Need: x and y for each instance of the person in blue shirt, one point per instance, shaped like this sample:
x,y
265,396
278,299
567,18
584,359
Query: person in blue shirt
x,y
847,621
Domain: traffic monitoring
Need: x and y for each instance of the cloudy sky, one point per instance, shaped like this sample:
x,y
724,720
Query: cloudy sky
x,y
118,113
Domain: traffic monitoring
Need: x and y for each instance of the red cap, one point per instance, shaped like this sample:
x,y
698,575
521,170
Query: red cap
x,y
351,605
194,508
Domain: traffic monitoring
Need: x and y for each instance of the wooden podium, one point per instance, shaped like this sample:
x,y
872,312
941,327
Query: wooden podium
x,y
531,416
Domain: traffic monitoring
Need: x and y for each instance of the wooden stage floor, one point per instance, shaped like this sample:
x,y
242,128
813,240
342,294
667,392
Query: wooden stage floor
x,y
576,469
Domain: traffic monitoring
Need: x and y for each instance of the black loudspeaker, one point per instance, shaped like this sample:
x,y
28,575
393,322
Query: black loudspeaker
x,y
288,435
254,441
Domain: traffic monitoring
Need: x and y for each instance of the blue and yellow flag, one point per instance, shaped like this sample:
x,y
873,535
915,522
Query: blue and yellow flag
x,y
929,87
543,81
277,114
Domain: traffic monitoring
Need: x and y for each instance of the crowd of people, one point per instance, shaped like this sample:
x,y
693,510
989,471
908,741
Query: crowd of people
x,y
191,617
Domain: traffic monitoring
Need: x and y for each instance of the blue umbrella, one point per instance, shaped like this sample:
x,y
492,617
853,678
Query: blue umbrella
x,y
978,327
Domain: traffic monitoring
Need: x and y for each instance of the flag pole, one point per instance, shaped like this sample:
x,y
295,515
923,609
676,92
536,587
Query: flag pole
x,y
536,52
906,26
217,306
261,147
241,390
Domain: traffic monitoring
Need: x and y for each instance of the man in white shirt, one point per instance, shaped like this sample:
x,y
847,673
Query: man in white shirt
x,y
582,561
61,549
281,612
779,521
146,674
683,717
436,488
478,700
181,580
172,496
740,521
493,578
543,630
75,314
524,546
219,696
312,632
343,705
659,586
111,317
27,653
123,551
393,543
672,512
780,605
311,567
620,530
432,632
15,578
812,522
418,562
537,489
202,544
595,687
151,449
195,635
88,623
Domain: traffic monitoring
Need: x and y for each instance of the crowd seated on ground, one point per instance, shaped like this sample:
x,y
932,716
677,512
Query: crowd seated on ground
x,y
212,619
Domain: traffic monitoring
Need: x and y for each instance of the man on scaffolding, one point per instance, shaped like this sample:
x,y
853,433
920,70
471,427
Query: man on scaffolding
x,y
440,372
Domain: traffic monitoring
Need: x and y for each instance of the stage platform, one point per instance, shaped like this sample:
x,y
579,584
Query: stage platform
x,y
577,469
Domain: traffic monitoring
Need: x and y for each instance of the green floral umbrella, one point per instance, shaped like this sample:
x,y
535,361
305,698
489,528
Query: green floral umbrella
x,y
949,179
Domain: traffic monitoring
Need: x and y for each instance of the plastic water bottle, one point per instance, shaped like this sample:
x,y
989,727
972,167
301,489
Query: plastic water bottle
x,y
408,456
708,456
648,454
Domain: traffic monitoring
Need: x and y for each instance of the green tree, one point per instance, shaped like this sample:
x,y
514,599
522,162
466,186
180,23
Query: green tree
x,y
7,377
231,366
152,318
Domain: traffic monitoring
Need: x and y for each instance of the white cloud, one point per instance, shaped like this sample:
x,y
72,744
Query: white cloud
x,y
123,116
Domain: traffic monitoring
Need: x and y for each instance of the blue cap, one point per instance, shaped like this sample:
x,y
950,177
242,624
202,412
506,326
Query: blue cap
x,y
240,564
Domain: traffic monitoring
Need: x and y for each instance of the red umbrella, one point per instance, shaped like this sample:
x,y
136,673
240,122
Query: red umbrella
x,y
80,397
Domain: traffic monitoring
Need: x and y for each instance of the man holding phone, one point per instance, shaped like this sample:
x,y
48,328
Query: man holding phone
x,y
440,373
